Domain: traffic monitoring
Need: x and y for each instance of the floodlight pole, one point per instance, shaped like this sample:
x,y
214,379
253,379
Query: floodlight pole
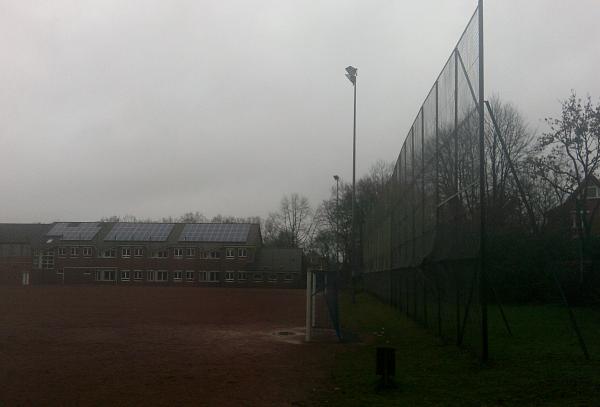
x,y
354,201
337,220
351,75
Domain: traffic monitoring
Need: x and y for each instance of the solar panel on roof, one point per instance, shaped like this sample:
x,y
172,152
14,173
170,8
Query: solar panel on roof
x,y
74,231
215,232
144,232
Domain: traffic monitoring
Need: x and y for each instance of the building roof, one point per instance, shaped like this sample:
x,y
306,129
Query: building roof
x,y
105,234
276,259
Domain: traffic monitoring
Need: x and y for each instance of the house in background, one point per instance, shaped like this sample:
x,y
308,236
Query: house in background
x,y
585,201
184,254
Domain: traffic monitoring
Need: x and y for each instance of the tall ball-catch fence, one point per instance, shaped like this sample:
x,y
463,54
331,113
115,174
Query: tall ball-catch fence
x,y
422,242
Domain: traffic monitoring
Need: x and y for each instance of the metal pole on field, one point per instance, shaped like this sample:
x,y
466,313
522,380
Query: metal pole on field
x,y
337,220
309,304
351,75
482,192
337,250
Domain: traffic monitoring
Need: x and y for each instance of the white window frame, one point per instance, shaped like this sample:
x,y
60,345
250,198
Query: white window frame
x,y
270,278
242,252
150,275
87,251
203,276
190,252
161,254
62,252
162,276
260,276
242,276
189,275
112,253
138,251
178,276
138,275
229,276
103,275
74,252
125,252
229,253
125,275
214,255
203,254
288,277
178,252
213,276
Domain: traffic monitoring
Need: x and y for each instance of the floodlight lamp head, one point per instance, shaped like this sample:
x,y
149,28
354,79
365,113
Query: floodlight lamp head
x,y
351,75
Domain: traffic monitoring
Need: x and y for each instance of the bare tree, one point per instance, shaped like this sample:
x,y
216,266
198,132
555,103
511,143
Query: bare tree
x,y
505,206
293,225
192,217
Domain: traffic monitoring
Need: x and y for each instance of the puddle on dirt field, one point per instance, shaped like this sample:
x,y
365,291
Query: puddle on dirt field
x,y
293,335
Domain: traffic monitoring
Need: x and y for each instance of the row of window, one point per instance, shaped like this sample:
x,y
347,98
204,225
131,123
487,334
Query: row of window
x,y
178,252
188,275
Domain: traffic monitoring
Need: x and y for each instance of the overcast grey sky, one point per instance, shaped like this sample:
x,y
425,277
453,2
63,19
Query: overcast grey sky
x,y
156,108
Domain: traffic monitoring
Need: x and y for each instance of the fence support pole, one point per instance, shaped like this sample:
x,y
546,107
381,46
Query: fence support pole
x,y
571,315
501,310
482,192
309,304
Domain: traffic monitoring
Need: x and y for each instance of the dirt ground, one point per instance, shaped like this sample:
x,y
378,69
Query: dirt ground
x,y
168,346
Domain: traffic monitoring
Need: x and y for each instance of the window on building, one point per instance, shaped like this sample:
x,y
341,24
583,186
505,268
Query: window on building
x,y
161,254
190,252
288,277
214,254
592,192
138,251
178,252
204,255
150,275
242,276
272,277
138,275
109,252
257,277
162,275
574,218
62,251
87,251
124,275
242,252
47,260
189,275
177,275
107,275
229,253
213,276
202,276
74,251
229,276
126,252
